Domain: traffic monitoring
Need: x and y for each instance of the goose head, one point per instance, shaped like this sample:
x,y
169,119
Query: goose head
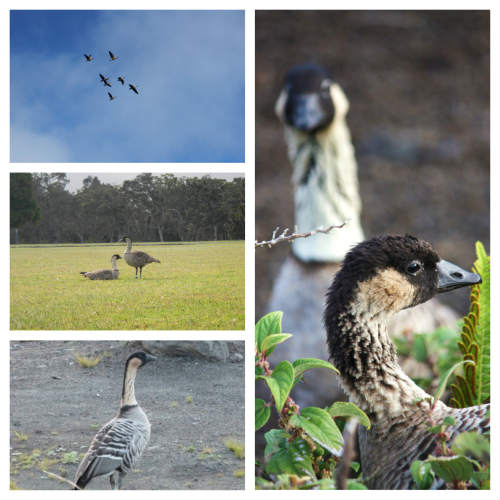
x,y
124,239
310,99
115,257
140,358
389,273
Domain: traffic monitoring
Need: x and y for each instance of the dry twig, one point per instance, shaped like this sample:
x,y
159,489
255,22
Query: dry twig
x,y
284,236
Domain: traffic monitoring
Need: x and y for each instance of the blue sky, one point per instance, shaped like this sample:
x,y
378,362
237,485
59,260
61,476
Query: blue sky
x,y
187,65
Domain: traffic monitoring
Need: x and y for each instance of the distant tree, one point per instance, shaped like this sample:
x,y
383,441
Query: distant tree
x,y
23,207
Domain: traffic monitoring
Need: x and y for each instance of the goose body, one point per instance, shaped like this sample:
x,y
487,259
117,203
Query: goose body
x,y
132,88
111,96
121,80
88,57
379,278
118,445
104,274
313,109
112,57
104,80
136,258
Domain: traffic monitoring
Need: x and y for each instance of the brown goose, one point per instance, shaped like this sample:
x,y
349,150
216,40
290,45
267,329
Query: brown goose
x,y
112,57
312,108
137,258
118,445
88,57
104,274
111,96
379,278
132,88
104,80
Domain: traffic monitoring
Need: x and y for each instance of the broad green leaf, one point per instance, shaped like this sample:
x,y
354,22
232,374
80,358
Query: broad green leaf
x,y
320,427
343,409
281,383
271,341
353,484
458,468
267,325
303,364
273,438
419,347
422,474
472,444
292,457
262,413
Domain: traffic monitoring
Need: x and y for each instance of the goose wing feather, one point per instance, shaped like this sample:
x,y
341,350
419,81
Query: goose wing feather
x,y
117,445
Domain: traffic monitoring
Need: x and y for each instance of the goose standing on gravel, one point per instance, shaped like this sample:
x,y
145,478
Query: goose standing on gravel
x,y
137,258
118,445
313,109
379,278
104,274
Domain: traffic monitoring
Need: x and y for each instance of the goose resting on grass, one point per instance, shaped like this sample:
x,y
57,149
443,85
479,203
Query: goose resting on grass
x,y
312,108
137,258
379,278
118,445
104,274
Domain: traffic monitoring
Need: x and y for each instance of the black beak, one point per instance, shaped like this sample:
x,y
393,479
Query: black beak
x,y
148,358
450,277
309,112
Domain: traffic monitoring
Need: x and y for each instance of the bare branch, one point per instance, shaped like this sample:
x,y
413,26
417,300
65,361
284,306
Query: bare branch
x,y
343,468
284,236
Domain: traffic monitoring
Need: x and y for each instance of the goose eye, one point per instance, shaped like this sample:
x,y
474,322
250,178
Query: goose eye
x,y
414,267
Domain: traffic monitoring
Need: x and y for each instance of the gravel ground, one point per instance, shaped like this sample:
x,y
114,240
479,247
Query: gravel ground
x,y
193,405
418,84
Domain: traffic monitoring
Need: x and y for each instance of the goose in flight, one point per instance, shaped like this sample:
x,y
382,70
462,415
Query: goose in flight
x,y
105,80
132,88
121,80
112,57
111,96
88,57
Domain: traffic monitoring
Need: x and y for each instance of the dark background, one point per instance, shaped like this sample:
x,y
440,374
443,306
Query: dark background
x,y
418,86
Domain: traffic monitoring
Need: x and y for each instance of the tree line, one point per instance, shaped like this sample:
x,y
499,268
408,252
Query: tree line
x,y
147,208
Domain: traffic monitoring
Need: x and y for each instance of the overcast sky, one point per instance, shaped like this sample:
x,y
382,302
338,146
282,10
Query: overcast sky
x,y
188,67
76,179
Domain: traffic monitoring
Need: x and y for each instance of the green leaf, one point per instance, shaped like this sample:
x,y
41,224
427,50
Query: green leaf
x,y
320,427
262,413
353,484
291,457
274,439
419,347
458,468
271,341
472,444
342,409
303,364
422,474
444,380
267,325
281,383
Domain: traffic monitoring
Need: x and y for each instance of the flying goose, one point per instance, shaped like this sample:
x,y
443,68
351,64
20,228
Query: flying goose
x,y
104,274
121,80
137,258
118,445
88,57
112,57
132,88
312,108
379,278
111,96
105,80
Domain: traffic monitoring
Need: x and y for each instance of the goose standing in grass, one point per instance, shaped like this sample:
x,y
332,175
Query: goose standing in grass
x,y
118,445
137,258
104,274
379,278
313,109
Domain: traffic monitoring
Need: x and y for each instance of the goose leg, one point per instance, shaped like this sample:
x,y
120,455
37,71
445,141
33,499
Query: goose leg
x,y
136,273
113,482
141,271
121,475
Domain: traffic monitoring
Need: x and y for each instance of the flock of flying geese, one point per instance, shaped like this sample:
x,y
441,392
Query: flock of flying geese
x,y
105,80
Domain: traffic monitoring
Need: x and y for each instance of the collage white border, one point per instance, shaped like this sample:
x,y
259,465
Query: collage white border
x,y
248,168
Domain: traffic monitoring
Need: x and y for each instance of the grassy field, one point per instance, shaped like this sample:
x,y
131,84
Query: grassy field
x,y
197,286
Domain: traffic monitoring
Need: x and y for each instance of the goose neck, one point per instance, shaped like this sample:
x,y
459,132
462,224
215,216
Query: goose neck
x,y
128,390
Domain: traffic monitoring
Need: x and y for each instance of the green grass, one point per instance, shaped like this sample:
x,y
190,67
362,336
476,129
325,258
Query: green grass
x,y
197,286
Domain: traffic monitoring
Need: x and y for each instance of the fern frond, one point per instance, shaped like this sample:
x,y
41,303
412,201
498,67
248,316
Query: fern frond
x,y
473,387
